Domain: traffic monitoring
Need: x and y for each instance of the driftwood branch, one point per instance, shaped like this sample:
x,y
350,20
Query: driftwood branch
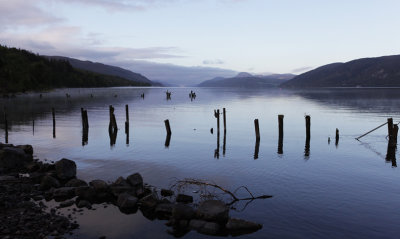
x,y
180,183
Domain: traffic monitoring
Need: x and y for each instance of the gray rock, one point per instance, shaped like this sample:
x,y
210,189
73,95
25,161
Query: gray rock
x,y
64,192
196,224
65,169
126,201
99,185
165,208
181,211
184,198
235,224
135,180
166,192
210,228
121,182
84,203
49,182
76,183
13,158
86,193
28,149
149,201
117,190
67,203
213,210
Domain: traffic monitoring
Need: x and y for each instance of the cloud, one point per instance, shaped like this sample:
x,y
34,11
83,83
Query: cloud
x,y
302,69
213,62
17,13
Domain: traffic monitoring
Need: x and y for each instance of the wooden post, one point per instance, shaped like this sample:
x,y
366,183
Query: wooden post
x,y
167,126
224,144
257,128
308,124
280,138
395,132
86,119
6,125
127,119
216,115
256,149
54,122
224,115
33,126
337,137
390,129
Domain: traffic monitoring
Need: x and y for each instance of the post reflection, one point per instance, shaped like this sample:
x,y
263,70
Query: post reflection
x,y
167,140
256,148
85,136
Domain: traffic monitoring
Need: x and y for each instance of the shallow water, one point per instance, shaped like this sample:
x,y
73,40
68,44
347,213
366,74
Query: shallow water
x,y
347,190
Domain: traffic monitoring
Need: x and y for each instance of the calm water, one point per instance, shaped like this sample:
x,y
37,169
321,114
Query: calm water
x,y
347,190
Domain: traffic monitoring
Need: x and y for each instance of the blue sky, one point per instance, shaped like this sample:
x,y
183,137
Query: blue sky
x,y
204,37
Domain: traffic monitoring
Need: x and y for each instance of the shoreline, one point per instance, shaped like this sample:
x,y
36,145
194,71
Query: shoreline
x,y
27,184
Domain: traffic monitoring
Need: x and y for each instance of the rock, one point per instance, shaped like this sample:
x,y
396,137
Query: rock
x,y
166,192
117,190
196,224
164,210
49,182
121,182
65,169
67,203
84,203
149,201
135,180
7,178
13,158
86,193
184,198
64,193
99,185
126,201
32,166
235,224
28,149
76,183
210,228
213,210
181,211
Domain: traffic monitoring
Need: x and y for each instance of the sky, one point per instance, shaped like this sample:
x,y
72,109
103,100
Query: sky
x,y
187,41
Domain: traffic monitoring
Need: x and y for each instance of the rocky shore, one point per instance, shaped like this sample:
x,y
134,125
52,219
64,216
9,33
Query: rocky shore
x,y
26,184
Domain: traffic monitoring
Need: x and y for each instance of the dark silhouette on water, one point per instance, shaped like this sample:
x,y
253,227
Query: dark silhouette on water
x,y
256,148
112,127
54,122
280,138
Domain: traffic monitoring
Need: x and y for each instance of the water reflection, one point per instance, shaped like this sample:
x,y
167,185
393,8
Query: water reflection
x,y
167,140
256,148
85,136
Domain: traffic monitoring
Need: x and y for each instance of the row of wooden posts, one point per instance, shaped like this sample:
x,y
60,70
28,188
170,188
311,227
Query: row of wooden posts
x,y
113,129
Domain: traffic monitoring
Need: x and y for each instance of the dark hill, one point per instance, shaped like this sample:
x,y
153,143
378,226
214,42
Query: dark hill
x,y
21,70
367,72
104,69
246,80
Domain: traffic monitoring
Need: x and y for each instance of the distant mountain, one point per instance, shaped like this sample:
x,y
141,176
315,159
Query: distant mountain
x,y
21,70
246,80
366,72
105,69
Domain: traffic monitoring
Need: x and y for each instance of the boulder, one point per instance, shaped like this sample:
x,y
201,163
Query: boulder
x,y
196,224
164,210
121,181
235,225
166,192
182,211
126,201
12,158
84,203
85,193
209,228
65,169
99,185
213,210
149,201
135,180
67,203
28,149
49,182
76,183
117,190
184,198
64,193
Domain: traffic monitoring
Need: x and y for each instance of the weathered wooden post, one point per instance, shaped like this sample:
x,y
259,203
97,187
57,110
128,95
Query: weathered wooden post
x,y
390,128
167,126
256,149
224,144
395,133
337,137
54,122
167,140
127,119
216,115
33,126
257,129
308,124
224,116
6,125
280,138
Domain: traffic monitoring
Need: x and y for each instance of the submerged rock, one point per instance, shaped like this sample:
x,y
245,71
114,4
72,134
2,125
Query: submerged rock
x,y
13,158
166,192
49,182
213,210
184,198
127,202
65,169
135,180
239,227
